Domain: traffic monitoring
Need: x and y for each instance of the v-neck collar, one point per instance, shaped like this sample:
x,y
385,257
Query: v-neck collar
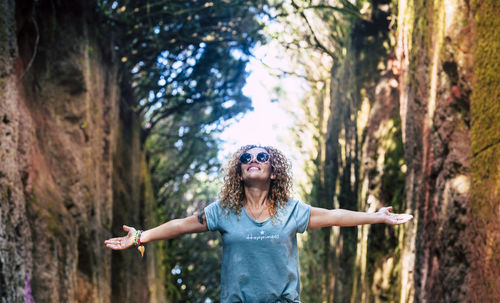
x,y
256,222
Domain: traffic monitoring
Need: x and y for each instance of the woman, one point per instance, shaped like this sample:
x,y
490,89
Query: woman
x,y
258,222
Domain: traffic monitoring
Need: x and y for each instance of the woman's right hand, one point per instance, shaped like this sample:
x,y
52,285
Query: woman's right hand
x,y
124,242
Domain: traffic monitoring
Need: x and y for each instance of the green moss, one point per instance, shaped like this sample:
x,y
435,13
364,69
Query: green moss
x,y
486,95
4,192
417,17
47,217
485,135
393,177
485,181
485,103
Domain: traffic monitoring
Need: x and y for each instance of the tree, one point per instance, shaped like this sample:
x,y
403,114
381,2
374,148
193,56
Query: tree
x,y
352,37
183,62
180,56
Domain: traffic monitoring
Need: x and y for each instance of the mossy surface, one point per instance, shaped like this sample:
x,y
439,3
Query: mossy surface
x,y
435,112
486,94
485,109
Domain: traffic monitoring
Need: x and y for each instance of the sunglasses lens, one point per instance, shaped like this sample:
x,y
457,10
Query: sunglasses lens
x,y
262,157
245,158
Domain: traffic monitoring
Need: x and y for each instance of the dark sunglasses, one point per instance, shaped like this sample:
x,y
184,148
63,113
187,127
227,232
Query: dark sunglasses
x,y
262,157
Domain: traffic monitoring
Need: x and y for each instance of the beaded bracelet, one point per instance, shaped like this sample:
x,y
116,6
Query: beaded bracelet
x,y
137,242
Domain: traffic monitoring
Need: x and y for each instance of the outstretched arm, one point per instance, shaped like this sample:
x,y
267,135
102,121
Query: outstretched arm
x,y
168,230
321,217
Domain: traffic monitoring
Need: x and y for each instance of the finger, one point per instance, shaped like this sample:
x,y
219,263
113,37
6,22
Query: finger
x,y
114,246
403,218
406,217
126,228
113,241
389,208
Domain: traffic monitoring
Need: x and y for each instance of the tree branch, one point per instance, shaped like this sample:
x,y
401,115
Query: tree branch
x,y
289,72
316,39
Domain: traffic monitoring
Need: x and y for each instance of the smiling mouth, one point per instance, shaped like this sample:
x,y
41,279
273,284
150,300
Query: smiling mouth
x,y
253,168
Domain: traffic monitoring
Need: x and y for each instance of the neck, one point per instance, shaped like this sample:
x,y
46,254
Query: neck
x,y
256,196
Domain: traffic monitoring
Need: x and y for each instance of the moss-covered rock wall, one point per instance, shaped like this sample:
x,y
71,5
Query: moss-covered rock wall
x,y
435,52
72,166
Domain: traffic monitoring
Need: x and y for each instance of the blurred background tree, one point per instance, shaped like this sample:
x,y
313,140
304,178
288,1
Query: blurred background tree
x,y
340,49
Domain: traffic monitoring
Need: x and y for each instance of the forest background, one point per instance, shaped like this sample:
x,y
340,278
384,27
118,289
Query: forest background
x,y
111,113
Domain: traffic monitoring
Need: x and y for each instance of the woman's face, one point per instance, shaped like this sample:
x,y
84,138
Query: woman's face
x,y
256,170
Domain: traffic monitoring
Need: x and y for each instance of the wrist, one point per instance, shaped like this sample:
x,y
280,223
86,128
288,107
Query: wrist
x,y
138,240
378,217
144,237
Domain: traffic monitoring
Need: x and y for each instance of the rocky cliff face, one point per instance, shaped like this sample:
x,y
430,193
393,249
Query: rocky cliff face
x,y
437,42
435,51
65,185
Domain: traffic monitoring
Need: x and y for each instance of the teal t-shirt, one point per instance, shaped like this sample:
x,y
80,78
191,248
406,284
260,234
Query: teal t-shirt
x,y
260,262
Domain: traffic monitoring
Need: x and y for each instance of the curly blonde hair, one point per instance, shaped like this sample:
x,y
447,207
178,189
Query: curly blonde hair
x,y
232,193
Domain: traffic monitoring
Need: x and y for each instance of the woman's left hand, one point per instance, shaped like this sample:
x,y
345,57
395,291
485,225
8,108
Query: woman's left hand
x,y
393,219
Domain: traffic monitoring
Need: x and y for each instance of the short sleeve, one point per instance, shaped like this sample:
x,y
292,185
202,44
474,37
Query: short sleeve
x,y
301,214
212,213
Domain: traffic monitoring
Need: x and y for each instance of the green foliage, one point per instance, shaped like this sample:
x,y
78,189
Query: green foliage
x,y
183,159
318,26
175,159
183,65
193,261
393,177
312,267
179,55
